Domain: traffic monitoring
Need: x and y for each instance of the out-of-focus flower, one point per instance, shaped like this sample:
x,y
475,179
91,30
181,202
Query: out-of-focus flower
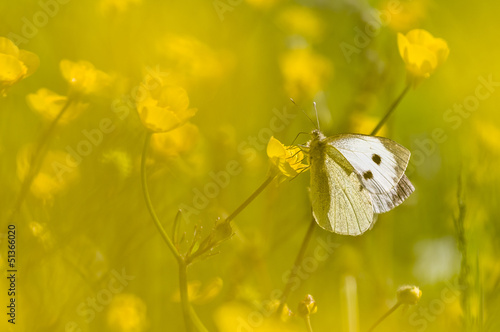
x,y
305,73
165,108
236,315
307,306
177,141
301,21
364,124
120,161
109,6
201,295
127,313
54,174
41,233
15,64
191,57
48,104
422,53
263,4
409,294
84,78
404,15
287,159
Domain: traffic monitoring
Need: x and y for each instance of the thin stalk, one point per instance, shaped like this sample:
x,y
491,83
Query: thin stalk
x,y
36,160
267,181
298,261
384,316
186,309
190,316
390,110
308,323
147,198
196,321
249,200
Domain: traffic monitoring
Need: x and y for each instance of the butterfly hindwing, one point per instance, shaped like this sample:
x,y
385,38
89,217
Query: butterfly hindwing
x,y
339,200
379,162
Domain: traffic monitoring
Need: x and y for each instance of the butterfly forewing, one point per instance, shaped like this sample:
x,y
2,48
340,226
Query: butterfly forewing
x,y
384,202
380,162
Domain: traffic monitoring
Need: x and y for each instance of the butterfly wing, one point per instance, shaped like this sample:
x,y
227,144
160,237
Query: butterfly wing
x,y
339,201
380,164
384,202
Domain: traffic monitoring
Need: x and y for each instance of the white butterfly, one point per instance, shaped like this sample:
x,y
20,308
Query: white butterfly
x,y
354,178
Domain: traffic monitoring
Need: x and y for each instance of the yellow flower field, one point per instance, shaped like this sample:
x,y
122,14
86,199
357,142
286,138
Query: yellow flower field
x,y
249,165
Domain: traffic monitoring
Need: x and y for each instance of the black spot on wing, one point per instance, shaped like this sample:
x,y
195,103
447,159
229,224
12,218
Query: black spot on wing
x,y
376,159
368,175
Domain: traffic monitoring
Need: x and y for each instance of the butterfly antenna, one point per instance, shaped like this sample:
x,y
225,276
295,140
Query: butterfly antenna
x,y
317,118
307,116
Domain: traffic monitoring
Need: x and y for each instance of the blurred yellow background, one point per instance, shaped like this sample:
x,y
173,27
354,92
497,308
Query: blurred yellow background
x,y
89,257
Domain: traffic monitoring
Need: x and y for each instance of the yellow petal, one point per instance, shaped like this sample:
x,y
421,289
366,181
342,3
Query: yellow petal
x,y
46,102
30,60
49,104
275,149
11,69
165,109
422,53
175,98
8,47
176,141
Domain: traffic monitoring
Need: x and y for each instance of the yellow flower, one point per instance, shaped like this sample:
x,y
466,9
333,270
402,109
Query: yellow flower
x,y
287,159
422,53
307,306
409,294
127,313
301,21
201,295
405,15
236,316
83,77
53,176
195,60
15,64
119,6
48,104
176,141
305,72
263,4
164,108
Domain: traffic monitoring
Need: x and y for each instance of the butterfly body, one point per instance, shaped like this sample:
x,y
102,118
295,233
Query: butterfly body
x,y
354,178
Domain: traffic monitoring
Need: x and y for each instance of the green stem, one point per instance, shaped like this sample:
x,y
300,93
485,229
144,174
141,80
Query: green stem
x,y
147,198
197,322
308,323
233,215
249,200
297,263
36,160
186,309
384,316
390,110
